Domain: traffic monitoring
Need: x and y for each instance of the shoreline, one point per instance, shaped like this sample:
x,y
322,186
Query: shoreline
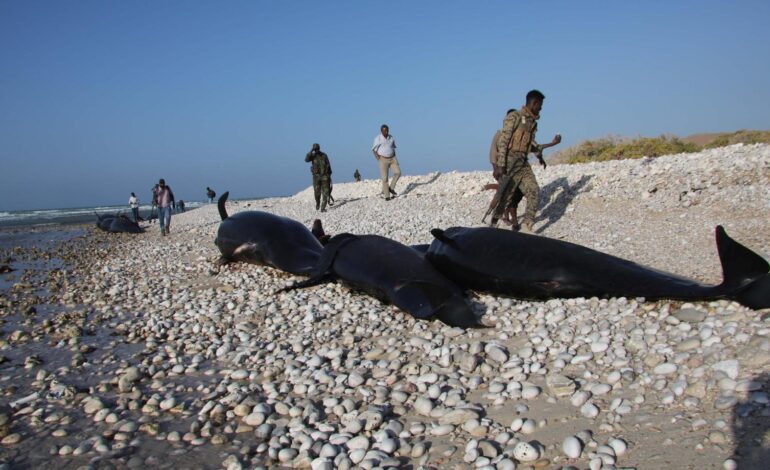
x,y
143,353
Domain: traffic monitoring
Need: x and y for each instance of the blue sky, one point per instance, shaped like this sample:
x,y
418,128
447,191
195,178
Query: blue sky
x,y
101,98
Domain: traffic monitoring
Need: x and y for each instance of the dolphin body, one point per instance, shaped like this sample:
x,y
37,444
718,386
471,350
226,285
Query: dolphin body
x,y
392,273
519,265
117,224
266,239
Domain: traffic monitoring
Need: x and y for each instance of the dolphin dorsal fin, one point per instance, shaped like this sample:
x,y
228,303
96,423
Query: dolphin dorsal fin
x,y
221,205
441,236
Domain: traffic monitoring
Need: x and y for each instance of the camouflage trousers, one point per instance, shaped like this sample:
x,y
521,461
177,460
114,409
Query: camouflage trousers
x,y
322,188
518,181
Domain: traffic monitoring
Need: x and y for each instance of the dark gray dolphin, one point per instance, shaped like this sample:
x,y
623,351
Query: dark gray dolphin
x,y
267,239
117,224
393,273
519,265
103,221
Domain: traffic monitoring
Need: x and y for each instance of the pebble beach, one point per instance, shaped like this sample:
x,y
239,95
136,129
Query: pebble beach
x,y
139,351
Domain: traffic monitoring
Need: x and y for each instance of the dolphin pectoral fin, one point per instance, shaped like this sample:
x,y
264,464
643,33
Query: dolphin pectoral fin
x,y
440,235
313,281
248,252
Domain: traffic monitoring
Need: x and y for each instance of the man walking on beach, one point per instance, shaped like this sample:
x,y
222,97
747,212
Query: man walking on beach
x,y
384,150
165,199
133,203
322,176
516,141
210,194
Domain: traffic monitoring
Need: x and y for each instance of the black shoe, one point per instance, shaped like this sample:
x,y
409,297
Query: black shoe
x,y
393,192
388,198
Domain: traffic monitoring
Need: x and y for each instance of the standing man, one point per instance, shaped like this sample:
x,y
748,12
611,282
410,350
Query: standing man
x,y
357,176
516,142
154,207
322,176
384,150
165,199
133,203
210,194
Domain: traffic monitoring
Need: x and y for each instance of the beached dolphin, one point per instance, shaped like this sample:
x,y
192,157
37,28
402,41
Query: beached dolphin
x,y
262,238
393,273
103,221
117,224
529,266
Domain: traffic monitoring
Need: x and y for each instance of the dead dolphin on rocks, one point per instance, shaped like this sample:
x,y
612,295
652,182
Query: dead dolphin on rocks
x,y
393,273
267,239
117,224
529,266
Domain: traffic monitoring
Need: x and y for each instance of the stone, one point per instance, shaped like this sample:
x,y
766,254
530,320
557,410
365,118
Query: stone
x,y
666,368
689,315
572,447
525,452
560,385
729,367
459,416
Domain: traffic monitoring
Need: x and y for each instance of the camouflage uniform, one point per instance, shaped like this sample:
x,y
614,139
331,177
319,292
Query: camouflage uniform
x,y
517,140
322,178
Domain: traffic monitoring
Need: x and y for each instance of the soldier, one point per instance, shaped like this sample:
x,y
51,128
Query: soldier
x,y
322,173
357,176
516,142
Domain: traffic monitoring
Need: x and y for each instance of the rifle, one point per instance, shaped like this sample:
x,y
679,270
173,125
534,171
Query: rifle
x,y
497,206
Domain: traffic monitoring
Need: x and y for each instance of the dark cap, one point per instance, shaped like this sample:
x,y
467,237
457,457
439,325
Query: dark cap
x,y
162,181
316,147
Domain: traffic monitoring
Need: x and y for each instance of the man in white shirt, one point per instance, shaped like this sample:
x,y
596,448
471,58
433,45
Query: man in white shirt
x,y
384,150
133,202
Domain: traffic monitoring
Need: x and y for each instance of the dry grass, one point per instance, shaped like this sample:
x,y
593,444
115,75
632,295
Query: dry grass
x,y
619,148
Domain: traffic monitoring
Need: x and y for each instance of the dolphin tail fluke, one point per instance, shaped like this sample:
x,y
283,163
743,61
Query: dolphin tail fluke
x,y
745,271
221,205
757,294
441,236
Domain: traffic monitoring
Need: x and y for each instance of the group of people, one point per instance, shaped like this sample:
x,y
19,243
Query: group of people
x,y
163,204
384,150
508,155
511,146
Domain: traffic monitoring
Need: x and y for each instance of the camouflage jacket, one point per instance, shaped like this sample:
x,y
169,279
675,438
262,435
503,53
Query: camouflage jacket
x,y
517,134
321,165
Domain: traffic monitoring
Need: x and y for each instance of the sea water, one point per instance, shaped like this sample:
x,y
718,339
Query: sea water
x,y
77,215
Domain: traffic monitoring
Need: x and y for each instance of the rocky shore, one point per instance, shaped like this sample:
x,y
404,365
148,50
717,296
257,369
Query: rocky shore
x,y
120,351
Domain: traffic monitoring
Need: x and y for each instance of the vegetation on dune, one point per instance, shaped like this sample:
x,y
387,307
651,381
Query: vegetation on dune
x,y
739,137
620,148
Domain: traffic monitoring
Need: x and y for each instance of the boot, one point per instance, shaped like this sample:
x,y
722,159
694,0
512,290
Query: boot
x,y
527,227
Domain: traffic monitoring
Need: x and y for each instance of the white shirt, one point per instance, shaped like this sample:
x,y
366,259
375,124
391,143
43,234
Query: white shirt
x,y
133,202
385,147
